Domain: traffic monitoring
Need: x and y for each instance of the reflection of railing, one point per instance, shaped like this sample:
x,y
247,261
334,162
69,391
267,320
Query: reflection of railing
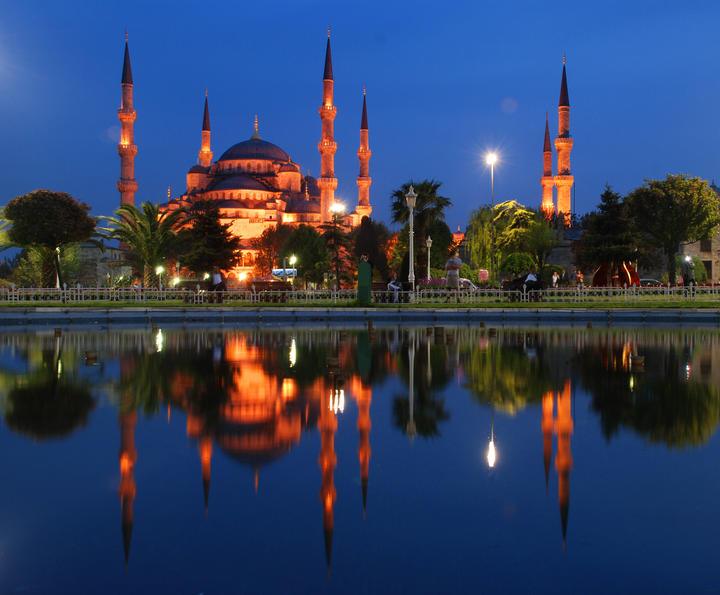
x,y
424,297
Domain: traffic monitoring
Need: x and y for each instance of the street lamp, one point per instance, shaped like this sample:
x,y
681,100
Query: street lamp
x,y
411,198
293,260
337,209
159,270
490,159
428,243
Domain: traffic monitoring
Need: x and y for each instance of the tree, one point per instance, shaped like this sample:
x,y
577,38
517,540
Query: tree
x,y
150,235
269,244
48,221
35,267
208,243
670,212
429,208
477,237
524,230
339,244
371,237
313,257
608,233
442,245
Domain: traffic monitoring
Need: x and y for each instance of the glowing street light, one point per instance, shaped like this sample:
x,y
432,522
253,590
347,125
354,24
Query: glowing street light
x,y
491,159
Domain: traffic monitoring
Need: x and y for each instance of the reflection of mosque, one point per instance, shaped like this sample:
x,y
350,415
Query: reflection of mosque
x,y
262,419
562,427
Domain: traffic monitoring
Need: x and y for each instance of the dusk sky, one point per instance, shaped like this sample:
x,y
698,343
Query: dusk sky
x,y
445,82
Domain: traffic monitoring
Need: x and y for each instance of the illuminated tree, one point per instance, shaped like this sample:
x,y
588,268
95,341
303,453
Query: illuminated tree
x,y
207,243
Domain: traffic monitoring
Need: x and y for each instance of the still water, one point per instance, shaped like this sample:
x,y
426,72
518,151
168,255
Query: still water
x,y
404,460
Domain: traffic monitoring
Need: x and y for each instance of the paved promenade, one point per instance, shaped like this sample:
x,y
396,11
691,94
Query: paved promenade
x,y
18,318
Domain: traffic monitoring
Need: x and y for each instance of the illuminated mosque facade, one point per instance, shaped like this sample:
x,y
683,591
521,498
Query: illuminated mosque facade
x,y
256,184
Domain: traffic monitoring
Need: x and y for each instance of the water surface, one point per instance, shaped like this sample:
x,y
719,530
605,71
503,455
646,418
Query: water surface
x,y
404,460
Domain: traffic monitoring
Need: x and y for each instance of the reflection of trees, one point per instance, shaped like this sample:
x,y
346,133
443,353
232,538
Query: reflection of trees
x,y
48,401
504,373
429,407
658,403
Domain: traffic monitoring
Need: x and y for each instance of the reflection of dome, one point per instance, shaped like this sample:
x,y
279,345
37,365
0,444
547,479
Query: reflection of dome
x,y
255,149
254,444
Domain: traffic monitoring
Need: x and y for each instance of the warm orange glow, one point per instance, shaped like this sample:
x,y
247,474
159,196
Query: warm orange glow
x,y
126,463
289,388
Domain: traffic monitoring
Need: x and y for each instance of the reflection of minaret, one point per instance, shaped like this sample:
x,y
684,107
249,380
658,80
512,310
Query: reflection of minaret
x,y
363,394
128,456
547,431
563,460
205,458
327,460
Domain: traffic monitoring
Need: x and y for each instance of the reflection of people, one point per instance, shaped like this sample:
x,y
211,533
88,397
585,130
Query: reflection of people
x,y
452,275
394,285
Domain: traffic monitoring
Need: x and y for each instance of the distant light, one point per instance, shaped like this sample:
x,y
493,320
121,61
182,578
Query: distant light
x,y
175,281
159,270
337,208
491,454
491,158
206,276
688,258
337,400
242,276
293,260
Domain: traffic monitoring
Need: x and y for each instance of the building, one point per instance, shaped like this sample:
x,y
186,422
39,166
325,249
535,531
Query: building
x,y
256,183
564,179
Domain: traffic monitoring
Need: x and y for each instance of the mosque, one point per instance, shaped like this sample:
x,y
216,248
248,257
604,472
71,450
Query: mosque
x,y
256,183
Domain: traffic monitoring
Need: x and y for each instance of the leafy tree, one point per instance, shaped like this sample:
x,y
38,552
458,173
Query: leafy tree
x,y
516,263
150,235
679,209
48,221
429,208
371,237
339,245
442,245
524,230
208,243
269,244
608,233
313,257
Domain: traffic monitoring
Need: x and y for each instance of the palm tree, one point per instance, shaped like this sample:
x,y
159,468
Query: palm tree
x,y
429,208
150,235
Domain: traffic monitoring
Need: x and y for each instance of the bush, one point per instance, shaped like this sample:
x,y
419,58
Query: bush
x,y
517,262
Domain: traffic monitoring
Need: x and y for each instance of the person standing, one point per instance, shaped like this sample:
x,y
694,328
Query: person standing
x,y
452,276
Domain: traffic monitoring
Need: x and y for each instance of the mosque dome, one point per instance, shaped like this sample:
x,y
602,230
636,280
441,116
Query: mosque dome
x,y
238,182
255,148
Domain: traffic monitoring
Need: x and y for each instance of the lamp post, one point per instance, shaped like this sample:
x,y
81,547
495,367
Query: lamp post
x,y
411,198
428,243
490,159
159,270
337,209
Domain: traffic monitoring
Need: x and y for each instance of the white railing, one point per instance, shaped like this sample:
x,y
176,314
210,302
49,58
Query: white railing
x,y
421,297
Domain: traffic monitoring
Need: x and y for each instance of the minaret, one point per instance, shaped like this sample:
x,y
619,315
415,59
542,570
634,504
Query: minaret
x,y
563,145
547,181
563,460
327,146
205,155
547,431
327,424
128,456
364,180
127,150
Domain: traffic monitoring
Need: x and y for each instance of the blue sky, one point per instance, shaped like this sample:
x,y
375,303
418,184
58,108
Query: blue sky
x,y
445,82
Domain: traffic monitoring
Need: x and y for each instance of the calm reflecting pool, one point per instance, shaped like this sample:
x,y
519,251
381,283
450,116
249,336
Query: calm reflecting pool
x,y
401,460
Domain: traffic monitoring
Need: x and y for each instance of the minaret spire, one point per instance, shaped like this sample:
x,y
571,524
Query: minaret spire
x,y
563,144
205,155
255,134
546,181
327,145
364,180
126,149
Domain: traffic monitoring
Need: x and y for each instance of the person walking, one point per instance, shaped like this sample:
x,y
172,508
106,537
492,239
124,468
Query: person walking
x,y
452,276
394,285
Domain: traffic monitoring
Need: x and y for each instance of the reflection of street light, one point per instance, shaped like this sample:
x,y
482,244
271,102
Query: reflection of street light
x,y
410,429
337,209
491,159
428,243
411,198
491,446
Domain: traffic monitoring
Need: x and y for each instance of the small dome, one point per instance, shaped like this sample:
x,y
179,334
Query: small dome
x,y
198,169
238,182
255,148
289,167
